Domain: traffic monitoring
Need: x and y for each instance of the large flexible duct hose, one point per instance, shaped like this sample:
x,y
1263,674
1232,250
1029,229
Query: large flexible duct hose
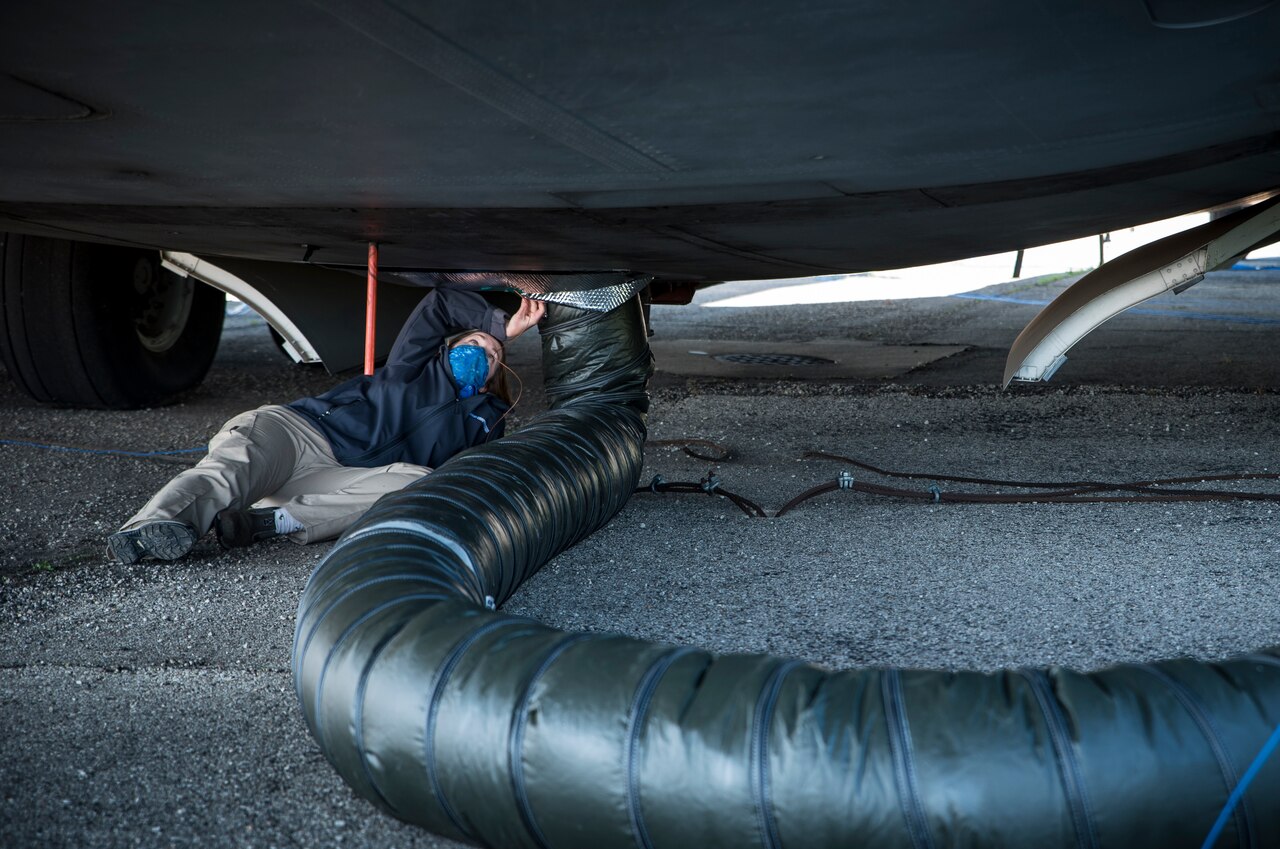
x,y
501,731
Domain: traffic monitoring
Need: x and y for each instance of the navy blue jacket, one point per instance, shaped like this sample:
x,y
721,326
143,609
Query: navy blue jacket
x,y
409,411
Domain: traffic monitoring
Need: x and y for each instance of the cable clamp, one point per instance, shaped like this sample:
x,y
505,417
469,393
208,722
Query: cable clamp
x,y
845,480
658,480
490,603
935,492
710,484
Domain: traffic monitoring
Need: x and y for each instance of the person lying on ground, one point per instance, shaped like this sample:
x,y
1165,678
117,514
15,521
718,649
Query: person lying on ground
x,y
310,469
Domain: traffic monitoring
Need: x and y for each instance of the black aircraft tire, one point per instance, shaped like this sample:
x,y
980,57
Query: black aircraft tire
x,y
100,326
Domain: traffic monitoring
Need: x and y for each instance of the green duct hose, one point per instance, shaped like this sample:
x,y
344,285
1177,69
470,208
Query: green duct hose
x,y
500,731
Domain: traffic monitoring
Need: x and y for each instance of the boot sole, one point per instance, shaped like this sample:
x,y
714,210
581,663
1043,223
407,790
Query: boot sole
x,y
162,540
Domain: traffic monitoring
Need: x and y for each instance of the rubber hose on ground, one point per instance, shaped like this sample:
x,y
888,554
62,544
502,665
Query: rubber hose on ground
x,y
504,732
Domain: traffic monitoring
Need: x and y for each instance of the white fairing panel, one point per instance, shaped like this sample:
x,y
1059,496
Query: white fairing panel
x,y
1174,263
296,344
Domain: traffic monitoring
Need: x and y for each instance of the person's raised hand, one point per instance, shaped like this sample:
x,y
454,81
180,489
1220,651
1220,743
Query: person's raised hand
x,y
529,314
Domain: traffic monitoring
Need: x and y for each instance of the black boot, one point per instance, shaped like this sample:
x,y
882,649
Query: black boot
x,y
163,540
240,528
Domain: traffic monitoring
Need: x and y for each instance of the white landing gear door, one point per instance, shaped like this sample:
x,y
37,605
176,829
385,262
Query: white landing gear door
x,y
1174,263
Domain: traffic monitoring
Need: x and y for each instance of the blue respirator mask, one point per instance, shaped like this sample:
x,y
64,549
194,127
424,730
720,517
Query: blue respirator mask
x,y
470,367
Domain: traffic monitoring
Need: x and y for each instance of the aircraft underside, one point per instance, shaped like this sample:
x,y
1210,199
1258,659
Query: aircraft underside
x,y
688,144
154,158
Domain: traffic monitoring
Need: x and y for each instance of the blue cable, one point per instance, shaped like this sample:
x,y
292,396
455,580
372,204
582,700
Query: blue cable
x,y
1238,794
102,450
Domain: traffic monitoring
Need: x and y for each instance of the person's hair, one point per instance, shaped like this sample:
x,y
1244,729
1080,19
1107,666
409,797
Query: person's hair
x,y
497,382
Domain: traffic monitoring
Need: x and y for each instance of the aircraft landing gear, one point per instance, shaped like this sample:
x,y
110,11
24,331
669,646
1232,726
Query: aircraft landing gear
x,y
101,326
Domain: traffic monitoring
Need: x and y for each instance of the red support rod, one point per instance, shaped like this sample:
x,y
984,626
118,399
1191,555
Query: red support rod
x,y
371,309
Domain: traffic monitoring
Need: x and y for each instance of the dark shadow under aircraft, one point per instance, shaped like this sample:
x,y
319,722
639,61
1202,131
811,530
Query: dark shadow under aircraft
x,y
260,147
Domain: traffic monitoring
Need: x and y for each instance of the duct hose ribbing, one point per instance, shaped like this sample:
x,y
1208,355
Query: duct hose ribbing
x,y
501,731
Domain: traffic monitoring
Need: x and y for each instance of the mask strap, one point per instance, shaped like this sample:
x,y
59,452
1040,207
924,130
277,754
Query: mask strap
x,y
519,390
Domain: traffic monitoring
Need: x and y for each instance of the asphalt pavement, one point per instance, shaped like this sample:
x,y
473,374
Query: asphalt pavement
x,y
152,705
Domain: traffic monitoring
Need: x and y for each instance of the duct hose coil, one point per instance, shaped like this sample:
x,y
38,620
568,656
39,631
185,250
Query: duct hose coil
x,y
500,731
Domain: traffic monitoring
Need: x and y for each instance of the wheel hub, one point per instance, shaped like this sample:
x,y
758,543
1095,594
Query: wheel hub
x,y
164,305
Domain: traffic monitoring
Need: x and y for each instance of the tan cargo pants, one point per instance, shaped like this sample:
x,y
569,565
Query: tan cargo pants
x,y
272,457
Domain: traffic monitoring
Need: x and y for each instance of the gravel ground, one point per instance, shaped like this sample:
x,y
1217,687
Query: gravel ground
x,y
152,705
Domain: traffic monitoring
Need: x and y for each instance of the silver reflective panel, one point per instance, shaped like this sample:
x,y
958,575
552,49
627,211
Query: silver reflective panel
x,y
600,291
598,300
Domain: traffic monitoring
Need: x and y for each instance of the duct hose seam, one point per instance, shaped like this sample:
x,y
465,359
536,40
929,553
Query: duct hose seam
x,y
433,713
352,628
1204,721
760,753
358,720
635,726
1068,765
895,712
519,722
349,593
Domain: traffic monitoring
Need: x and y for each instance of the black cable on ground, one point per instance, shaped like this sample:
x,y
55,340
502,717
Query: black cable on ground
x,y
1058,492
710,485
1104,485
1070,496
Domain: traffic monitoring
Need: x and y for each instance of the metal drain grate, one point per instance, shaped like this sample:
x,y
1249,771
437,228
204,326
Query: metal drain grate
x,y
774,359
